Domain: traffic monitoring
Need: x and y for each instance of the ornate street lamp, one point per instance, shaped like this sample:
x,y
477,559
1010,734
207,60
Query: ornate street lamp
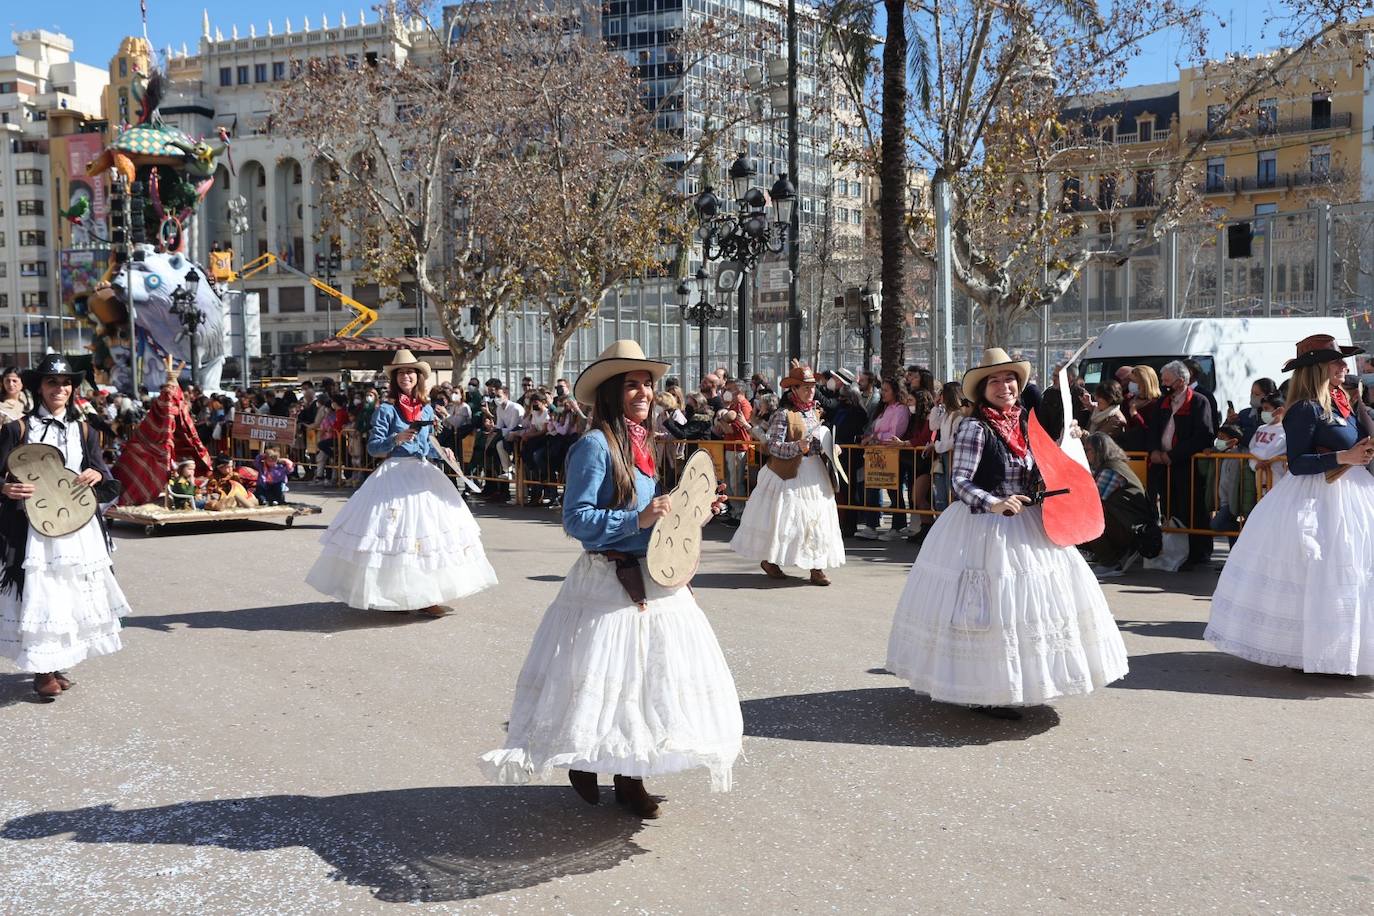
x,y
185,308
700,313
743,234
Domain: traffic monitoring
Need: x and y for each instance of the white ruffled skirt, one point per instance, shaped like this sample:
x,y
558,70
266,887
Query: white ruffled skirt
x,y
995,614
1298,588
404,540
792,522
71,604
608,688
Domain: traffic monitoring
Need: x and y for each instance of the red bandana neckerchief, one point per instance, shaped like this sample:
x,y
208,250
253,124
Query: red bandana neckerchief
x,y
1008,426
1340,400
803,406
639,447
409,408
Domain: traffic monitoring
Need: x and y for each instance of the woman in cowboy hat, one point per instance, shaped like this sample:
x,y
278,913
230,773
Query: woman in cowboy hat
x,y
405,540
790,519
1296,590
624,676
59,601
995,615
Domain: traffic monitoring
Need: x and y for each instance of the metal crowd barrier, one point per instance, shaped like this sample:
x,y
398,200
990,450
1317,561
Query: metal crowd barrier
x,y
882,478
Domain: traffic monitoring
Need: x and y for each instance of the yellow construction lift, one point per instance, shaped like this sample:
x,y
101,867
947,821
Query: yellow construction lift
x,y
363,316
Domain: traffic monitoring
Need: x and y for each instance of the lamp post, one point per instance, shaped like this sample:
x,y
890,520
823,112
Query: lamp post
x,y
741,235
700,313
185,308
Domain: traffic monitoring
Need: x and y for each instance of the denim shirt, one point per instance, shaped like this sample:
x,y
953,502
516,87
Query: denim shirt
x,y
387,424
588,491
1313,440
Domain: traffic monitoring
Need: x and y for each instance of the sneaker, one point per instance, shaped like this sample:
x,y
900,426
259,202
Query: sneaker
x,y
1107,572
907,531
1132,558
866,532
890,534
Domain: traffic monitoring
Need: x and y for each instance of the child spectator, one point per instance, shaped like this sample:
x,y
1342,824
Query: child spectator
x,y
273,472
183,489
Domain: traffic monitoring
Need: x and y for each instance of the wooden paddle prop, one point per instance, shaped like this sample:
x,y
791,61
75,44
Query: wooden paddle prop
x,y
675,544
1072,511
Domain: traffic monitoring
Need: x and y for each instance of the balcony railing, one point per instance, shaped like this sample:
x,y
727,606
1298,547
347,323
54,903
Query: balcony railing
x,y
1265,127
1278,182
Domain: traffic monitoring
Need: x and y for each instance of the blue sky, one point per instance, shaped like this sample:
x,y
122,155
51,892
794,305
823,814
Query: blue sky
x,y
97,25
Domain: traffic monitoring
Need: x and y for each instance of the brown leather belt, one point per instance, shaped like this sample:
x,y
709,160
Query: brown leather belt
x,y
630,574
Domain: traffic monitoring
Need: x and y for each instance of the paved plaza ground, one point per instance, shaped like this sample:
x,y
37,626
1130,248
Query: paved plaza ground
x,y
257,749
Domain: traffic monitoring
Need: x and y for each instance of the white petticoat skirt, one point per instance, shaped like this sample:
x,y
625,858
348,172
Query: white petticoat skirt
x,y
792,522
995,614
404,540
608,688
1298,588
71,604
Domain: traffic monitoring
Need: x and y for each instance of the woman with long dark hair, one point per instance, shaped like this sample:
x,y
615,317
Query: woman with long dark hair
x,y
994,614
624,676
405,540
790,519
1296,590
59,601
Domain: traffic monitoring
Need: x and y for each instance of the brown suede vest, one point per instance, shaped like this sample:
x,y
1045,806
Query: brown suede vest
x,y
787,468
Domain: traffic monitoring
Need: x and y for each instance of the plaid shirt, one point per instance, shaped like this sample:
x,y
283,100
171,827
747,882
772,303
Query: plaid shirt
x,y
1108,482
778,446
1018,473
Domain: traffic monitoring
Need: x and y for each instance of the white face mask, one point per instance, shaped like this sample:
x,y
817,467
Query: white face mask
x,y
1267,416
1221,444
1133,388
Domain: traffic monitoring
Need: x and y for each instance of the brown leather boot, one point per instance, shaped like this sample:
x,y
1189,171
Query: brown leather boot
x,y
62,679
46,686
631,793
584,784
818,577
773,570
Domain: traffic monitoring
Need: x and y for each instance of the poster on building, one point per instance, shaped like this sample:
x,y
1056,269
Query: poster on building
x,y
90,227
281,430
80,270
771,292
881,470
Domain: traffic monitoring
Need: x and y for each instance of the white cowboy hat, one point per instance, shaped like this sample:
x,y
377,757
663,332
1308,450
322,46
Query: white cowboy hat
x,y
404,359
620,357
995,360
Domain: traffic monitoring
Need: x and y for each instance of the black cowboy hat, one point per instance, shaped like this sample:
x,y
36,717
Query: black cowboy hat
x,y
52,364
1319,348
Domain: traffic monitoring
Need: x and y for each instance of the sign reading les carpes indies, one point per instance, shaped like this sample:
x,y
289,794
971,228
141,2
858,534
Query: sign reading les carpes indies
x,y
280,430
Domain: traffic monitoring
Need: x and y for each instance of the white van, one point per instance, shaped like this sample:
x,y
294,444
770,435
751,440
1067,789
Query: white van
x,y
1233,352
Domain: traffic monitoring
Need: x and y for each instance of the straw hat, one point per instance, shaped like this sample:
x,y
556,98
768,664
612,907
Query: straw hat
x,y
1319,348
617,359
995,360
404,359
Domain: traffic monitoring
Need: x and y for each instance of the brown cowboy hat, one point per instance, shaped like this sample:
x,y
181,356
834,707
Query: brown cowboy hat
x,y
617,359
404,359
800,375
995,360
1319,348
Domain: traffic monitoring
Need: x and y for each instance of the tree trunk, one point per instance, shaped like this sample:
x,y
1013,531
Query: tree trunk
x,y
558,351
893,187
998,318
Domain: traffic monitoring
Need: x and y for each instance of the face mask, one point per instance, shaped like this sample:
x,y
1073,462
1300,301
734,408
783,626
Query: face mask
x,y
1222,444
1255,403
832,385
1133,389
503,400
357,401
1267,416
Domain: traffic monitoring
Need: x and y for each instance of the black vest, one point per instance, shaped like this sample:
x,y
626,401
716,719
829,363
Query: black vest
x,y
992,466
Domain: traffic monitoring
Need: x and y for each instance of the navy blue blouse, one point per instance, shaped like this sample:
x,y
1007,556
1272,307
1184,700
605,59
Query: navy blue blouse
x,y
1313,440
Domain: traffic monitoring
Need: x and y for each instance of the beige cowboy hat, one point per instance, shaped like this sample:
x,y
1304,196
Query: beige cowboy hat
x,y
995,360
617,359
404,359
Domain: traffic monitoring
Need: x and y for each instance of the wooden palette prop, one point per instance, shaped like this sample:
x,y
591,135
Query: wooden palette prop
x,y
59,505
675,545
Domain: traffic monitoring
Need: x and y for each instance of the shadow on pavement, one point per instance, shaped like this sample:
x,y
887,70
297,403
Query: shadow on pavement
x,y
314,617
18,688
749,580
1225,675
1173,629
892,716
407,845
